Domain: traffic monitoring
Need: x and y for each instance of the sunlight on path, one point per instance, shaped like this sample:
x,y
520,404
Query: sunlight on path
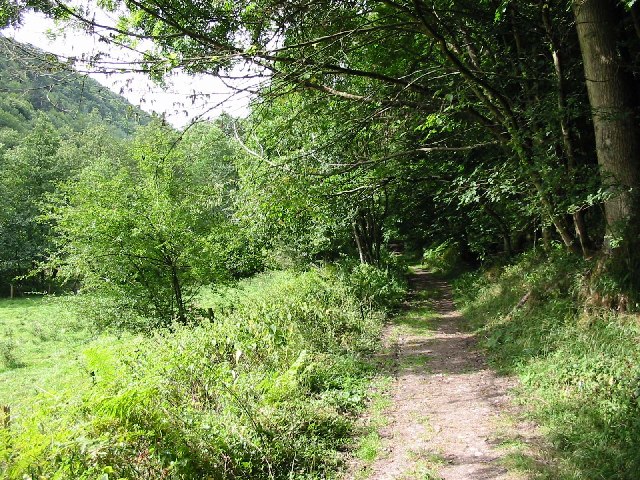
x,y
445,401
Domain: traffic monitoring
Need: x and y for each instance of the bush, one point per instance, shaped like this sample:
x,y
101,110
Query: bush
x,y
382,289
265,390
8,351
443,258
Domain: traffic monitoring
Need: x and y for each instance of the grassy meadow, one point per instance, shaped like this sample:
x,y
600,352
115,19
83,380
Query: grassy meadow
x,y
41,343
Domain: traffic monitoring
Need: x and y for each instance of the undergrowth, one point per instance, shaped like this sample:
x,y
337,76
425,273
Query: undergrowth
x,y
268,389
579,369
443,259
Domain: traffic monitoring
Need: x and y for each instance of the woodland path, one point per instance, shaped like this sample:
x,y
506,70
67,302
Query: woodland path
x,y
446,404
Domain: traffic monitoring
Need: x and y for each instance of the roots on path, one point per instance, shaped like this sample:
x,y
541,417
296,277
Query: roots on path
x,y
445,401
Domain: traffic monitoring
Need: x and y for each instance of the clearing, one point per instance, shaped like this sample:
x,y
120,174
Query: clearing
x,y
40,342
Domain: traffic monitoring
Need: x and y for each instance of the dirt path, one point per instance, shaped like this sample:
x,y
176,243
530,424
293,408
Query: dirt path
x,y
445,401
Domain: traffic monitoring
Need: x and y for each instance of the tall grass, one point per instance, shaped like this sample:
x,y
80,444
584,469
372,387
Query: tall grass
x,y
267,389
40,340
579,369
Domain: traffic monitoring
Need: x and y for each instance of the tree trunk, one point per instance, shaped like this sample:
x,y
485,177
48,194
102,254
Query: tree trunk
x,y
567,141
610,89
546,238
367,233
177,292
562,227
359,243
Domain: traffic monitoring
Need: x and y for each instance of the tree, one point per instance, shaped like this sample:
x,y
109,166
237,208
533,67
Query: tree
x,y
437,65
407,59
472,85
49,119
141,225
613,100
303,185
29,171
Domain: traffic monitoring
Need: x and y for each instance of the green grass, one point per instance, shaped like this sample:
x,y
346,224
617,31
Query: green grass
x,y
270,389
368,441
426,467
369,447
40,345
415,322
428,294
579,372
419,362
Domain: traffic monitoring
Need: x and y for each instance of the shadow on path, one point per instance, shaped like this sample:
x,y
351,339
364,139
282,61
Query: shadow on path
x,y
445,400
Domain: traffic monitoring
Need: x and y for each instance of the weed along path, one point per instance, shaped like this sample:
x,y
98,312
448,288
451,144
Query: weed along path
x,y
444,402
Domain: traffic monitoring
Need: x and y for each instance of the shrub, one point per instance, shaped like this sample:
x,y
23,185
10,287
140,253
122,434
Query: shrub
x,y
443,258
266,390
376,287
8,351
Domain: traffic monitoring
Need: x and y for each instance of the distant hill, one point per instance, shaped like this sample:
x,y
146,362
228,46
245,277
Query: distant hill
x,y
48,114
32,80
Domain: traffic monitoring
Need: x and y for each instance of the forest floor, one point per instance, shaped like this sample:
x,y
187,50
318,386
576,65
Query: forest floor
x,y
448,415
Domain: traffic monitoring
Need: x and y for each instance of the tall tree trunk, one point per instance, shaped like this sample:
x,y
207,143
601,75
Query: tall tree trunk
x,y
367,232
359,242
610,89
567,141
546,238
558,221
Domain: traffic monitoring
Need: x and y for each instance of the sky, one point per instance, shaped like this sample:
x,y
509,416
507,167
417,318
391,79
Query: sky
x,y
186,98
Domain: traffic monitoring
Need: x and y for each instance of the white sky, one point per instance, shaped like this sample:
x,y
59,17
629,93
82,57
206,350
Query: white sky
x,y
184,99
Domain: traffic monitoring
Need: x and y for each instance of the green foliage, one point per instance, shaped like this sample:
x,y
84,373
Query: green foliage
x,y
372,130
28,172
382,289
432,133
53,122
146,224
443,258
265,390
8,351
35,81
579,369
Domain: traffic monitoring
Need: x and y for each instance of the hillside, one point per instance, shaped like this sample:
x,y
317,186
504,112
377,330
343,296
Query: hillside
x,y
52,120
34,81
